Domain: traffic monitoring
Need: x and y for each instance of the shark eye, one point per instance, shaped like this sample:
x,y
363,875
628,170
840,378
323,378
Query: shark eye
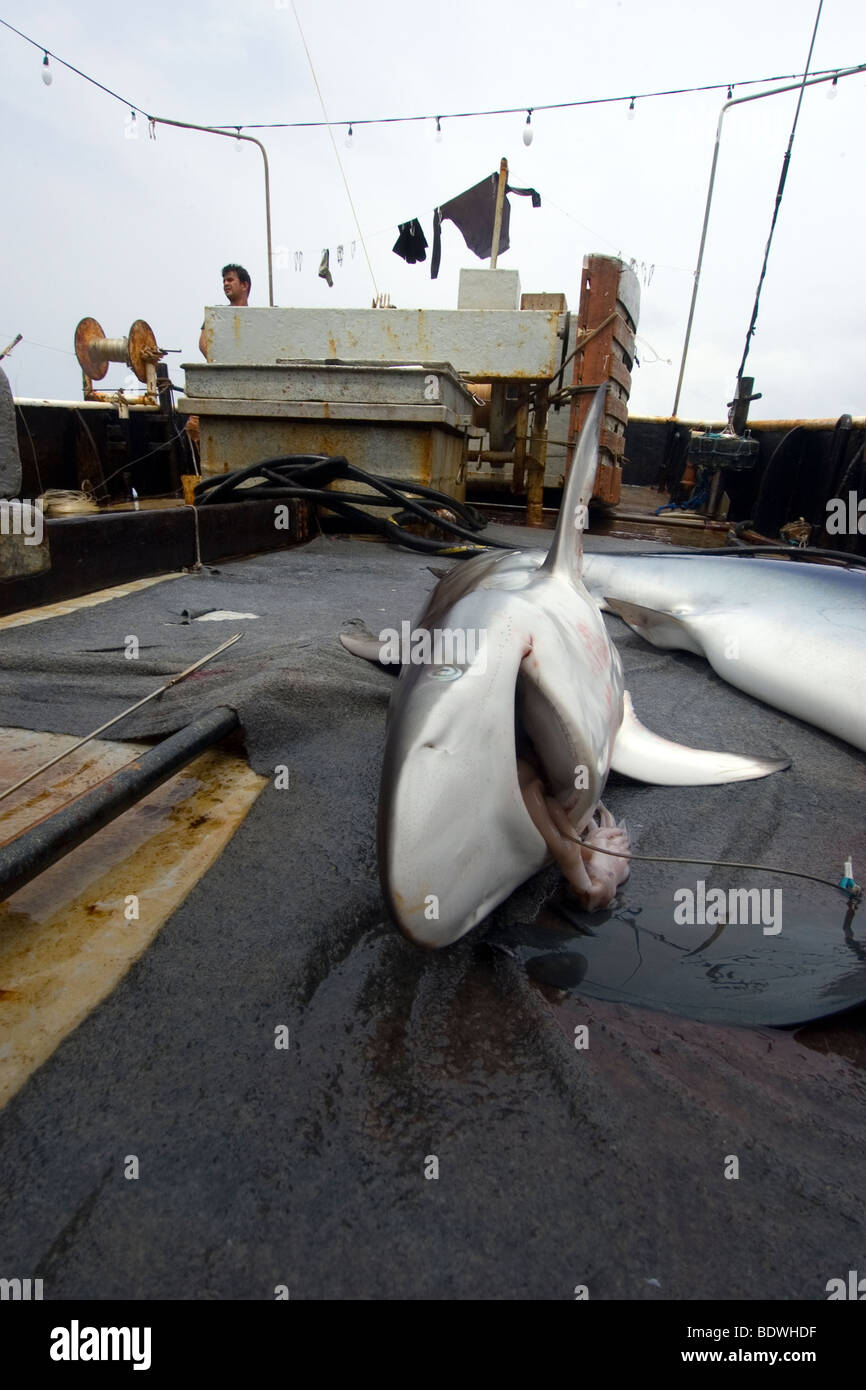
x,y
445,673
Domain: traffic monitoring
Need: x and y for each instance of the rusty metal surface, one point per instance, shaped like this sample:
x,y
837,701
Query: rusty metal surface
x,y
361,383
419,453
87,333
142,349
610,296
348,412
483,344
66,938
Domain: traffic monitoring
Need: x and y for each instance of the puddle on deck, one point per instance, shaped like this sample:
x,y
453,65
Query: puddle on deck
x,y
635,953
65,938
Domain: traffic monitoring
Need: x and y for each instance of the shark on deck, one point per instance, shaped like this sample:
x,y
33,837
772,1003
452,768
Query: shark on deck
x,y
496,763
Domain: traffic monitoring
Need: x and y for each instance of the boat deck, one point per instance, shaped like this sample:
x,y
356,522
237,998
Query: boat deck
x,y
310,1165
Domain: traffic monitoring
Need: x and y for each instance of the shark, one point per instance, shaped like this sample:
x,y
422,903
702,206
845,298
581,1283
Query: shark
x,y
498,746
791,633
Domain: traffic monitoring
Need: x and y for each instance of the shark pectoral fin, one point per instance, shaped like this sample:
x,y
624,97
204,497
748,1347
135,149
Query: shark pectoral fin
x,y
646,756
365,644
662,629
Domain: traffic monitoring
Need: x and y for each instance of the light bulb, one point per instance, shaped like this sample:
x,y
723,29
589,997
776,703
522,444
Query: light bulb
x,y
238,140
527,129
832,90
438,136
630,112
350,138
47,74
730,92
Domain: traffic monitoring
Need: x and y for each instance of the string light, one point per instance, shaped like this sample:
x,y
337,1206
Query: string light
x,y
350,138
831,90
47,77
730,92
527,129
438,136
629,115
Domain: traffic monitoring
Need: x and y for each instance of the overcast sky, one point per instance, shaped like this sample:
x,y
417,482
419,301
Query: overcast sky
x,y
100,224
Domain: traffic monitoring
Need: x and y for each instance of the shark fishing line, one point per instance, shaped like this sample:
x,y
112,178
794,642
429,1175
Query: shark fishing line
x,y
846,884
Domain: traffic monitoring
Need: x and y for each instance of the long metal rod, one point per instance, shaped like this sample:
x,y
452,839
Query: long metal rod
x,y
36,849
117,718
235,135
736,101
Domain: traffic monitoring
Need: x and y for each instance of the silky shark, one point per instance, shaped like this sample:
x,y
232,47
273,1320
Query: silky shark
x,y
495,761
792,633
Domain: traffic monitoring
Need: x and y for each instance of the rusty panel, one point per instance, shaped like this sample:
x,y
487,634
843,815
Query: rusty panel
x,y
620,373
613,443
432,457
557,302
607,357
616,409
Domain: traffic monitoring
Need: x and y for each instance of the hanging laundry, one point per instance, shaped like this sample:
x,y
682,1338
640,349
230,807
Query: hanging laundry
x,y
411,244
526,193
474,213
324,269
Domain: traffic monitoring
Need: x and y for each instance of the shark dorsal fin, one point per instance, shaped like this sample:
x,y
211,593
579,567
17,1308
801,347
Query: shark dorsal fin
x,y
565,557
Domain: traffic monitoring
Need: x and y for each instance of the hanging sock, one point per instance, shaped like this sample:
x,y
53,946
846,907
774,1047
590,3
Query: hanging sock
x,y
411,244
324,269
526,193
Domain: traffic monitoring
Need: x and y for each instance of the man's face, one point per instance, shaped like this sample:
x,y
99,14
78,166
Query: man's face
x,y
233,288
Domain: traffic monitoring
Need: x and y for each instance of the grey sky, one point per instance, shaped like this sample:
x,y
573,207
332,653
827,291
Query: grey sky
x,y
97,223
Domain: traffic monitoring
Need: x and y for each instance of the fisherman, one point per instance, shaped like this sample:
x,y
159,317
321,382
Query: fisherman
x,y
236,287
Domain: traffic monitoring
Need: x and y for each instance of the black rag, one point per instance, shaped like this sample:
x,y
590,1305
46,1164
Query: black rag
x,y
411,244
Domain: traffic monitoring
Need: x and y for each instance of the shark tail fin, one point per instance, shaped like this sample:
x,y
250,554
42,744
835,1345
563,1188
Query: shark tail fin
x,y
565,557
648,757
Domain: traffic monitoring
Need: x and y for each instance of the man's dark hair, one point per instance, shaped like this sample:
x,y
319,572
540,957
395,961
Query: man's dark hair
x,y
243,275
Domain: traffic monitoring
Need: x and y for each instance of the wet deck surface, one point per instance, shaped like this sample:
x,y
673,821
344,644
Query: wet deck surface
x,y
311,1165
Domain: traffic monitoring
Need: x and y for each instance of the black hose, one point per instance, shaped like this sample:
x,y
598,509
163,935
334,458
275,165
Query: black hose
x,y
305,477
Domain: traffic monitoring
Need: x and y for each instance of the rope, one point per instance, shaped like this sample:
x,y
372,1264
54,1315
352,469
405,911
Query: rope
x,y
336,151
779,191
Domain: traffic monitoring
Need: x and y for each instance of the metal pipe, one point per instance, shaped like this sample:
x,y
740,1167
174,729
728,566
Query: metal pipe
x,y
537,461
235,135
737,101
80,405
175,680
36,849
